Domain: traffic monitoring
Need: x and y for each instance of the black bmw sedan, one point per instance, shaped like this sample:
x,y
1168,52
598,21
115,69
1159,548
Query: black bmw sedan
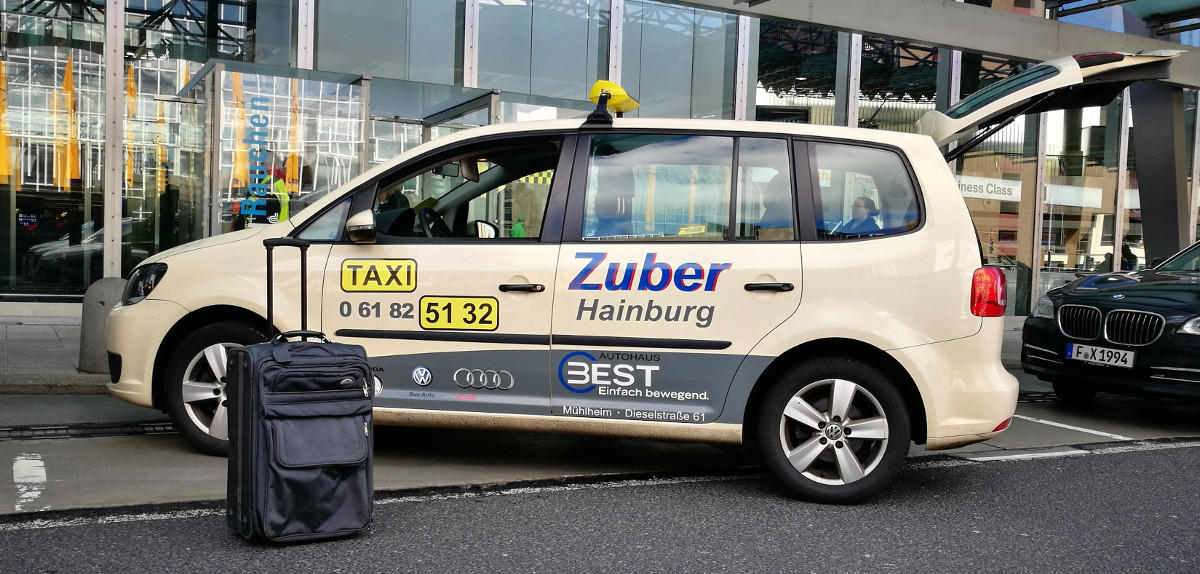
x,y
1132,333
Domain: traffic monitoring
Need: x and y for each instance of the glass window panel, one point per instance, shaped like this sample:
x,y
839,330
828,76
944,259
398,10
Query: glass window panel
x,y
540,47
286,142
862,192
797,73
702,46
651,187
419,40
897,83
1081,178
764,190
511,192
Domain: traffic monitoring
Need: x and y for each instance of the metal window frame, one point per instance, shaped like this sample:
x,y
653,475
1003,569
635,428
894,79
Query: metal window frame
x,y
114,134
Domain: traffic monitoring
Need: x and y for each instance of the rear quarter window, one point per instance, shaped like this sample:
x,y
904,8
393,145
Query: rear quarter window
x,y
862,192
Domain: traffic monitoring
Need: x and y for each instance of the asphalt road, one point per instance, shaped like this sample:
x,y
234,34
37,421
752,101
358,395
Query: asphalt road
x,y
1122,507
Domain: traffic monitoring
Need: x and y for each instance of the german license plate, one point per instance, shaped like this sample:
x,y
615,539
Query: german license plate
x,y
1100,355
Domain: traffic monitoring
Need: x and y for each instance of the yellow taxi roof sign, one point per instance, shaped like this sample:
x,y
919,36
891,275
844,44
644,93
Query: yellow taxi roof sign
x,y
618,99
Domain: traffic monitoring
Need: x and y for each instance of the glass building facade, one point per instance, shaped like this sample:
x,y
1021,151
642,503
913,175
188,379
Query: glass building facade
x,y
315,92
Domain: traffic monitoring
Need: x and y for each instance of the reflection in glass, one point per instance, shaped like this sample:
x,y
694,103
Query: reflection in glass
x,y
702,47
1081,178
764,190
418,40
897,84
284,142
797,73
648,187
546,48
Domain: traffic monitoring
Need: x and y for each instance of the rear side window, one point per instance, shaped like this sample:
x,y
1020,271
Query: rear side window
x,y
680,187
649,187
862,192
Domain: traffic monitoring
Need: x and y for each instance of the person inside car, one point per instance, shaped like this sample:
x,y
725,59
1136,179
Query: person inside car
x,y
862,218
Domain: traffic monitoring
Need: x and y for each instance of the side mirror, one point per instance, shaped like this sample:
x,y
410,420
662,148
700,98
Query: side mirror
x,y
486,230
360,227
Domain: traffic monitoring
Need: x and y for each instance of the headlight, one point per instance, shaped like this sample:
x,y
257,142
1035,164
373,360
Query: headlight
x,y
142,281
1191,326
1044,308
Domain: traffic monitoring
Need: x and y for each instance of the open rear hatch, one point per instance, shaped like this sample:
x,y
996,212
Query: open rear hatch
x,y
1070,82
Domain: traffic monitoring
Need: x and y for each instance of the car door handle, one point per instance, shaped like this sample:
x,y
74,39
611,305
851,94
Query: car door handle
x,y
769,286
522,287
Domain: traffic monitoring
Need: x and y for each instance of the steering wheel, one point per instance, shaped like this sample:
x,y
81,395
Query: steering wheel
x,y
432,224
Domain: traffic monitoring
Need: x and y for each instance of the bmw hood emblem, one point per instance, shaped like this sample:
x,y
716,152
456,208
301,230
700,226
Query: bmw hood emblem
x,y
1118,296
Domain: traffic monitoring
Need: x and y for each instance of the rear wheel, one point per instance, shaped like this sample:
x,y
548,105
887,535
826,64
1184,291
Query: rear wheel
x,y
1073,393
833,430
195,384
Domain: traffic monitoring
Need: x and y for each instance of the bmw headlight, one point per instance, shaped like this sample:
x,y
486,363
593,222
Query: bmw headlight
x,y
142,281
1044,308
1191,326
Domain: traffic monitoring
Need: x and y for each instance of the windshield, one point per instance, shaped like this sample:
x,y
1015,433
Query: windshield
x,y
1188,260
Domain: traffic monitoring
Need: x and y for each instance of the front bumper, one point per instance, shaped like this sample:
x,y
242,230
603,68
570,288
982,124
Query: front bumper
x,y
133,336
1168,367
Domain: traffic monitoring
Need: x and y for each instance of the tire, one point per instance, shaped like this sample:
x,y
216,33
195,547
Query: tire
x,y
195,384
1072,393
827,454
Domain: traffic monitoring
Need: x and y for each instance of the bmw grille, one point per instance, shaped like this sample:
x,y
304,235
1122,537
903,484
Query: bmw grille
x,y
1133,327
1122,327
1079,322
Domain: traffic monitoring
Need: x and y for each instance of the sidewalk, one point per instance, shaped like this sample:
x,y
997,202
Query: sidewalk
x,y
40,356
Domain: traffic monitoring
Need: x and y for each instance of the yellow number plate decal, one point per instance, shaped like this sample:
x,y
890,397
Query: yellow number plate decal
x,y
379,275
460,313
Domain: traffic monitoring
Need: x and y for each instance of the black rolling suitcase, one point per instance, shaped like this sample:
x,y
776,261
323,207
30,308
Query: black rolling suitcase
x,y
300,436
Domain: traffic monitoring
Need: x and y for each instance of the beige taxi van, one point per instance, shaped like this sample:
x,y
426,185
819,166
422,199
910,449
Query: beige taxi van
x,y
815,292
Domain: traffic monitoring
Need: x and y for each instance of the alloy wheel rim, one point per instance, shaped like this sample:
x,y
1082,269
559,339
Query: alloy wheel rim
x,y
204,397
834,432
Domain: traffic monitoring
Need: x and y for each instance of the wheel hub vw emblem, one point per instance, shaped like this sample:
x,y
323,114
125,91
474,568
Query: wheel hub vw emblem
x,y
833,432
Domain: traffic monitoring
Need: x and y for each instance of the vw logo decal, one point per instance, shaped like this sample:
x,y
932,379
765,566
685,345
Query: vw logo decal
x,y
422,376
483,379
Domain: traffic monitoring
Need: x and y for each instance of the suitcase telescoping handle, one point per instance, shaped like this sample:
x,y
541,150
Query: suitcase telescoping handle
x,y
271,244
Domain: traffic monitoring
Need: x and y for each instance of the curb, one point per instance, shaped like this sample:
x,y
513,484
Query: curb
x,y
75,384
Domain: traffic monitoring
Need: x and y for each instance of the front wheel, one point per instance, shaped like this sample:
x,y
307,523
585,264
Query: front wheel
x,y
195,384
833,430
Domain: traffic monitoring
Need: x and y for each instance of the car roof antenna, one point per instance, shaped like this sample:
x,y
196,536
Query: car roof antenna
x,y
609,96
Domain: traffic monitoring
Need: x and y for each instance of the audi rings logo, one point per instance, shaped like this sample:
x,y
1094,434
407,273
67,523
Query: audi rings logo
x,y
483,379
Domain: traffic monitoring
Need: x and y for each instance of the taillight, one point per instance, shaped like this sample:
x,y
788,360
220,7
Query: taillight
x,y
989,292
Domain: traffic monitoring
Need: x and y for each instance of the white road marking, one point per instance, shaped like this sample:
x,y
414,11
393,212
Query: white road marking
x,y
1074,428
1025,455
29,474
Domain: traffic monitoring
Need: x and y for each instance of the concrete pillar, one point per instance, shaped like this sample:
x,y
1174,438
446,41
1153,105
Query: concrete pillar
x,y
99,299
